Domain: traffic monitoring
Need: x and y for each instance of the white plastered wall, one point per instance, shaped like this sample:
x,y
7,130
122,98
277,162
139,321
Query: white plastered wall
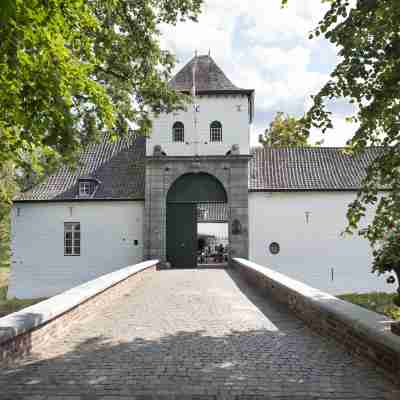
x,y
310,250
108,232
235,127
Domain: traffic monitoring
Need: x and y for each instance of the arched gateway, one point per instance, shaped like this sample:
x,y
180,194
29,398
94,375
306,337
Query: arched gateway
x,y
188,195
198,155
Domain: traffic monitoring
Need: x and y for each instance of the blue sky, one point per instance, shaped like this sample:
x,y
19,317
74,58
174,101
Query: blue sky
x,y
261,46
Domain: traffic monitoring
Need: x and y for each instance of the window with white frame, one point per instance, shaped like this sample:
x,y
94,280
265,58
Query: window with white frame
x,y
216,131
85,188
178,132
72,239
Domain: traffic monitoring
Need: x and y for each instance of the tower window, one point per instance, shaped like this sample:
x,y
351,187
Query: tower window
x,y
178,132
216,132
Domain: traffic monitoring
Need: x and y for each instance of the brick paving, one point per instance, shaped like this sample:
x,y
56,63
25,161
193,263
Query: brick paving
x,y
200,334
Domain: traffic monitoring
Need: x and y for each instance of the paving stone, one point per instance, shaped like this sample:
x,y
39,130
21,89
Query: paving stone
x,y
193,334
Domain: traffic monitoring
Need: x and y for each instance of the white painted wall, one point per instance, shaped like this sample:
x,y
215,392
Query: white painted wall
x,y
309,251
235,127
108,231
219,230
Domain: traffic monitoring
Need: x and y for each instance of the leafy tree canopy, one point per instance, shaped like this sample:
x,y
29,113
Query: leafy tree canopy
x,y
8,188
285,131
70,69
367,35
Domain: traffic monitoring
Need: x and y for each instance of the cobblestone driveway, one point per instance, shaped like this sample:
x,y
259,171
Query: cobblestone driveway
x,y
193,334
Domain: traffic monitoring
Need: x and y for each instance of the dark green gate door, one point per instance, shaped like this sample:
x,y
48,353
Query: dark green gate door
x,y
182,235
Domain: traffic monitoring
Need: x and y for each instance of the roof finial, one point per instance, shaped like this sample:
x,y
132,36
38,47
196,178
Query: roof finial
x,y
209,52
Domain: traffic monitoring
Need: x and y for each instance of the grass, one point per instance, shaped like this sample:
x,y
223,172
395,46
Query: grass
x,y
379,302
11,305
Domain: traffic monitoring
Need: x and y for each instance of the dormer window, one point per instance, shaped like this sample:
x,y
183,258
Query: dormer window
x,y
178,132
87,187
216,131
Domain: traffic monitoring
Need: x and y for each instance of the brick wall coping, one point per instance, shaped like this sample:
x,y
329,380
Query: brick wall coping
x,y
375,327
41,313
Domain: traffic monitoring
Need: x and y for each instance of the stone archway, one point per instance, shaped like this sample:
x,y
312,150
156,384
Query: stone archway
x,y
181,215
162,172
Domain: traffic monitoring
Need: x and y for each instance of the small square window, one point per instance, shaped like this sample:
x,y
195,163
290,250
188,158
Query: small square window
x,y
85,188
72,239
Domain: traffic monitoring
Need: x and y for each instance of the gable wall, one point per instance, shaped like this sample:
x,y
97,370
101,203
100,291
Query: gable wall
x,y
308,251
235,127
108,229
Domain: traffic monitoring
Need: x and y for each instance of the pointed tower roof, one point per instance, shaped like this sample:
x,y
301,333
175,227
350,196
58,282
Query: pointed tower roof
x,y
210,79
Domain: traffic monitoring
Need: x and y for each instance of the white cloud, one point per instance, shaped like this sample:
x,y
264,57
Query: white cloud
x,y
338,136
262,46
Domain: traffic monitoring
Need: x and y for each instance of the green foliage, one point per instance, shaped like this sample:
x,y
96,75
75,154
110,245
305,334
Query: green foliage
x,y
70,69
382,303
285,131
8,188
14,305
3,293
367,36
387,256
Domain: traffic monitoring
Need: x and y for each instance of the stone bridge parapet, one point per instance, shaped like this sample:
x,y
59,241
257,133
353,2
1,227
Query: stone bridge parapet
x,y
364,333
25,331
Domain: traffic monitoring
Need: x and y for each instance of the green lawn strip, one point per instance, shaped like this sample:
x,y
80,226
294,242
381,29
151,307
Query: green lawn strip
x,y
379,302
11,305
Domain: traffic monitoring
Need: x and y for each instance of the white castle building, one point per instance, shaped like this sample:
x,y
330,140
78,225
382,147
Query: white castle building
x,y
140,198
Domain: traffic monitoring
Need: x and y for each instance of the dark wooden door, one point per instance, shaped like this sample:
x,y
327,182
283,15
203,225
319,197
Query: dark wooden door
x,y
182,235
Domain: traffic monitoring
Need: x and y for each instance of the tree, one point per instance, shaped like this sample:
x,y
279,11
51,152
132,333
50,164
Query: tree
x,y
284,131
8,188
71,69
368,76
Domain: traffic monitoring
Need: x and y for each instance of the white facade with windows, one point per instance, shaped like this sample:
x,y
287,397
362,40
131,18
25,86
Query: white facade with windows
x,y
45,262
231,111
308,228
111,236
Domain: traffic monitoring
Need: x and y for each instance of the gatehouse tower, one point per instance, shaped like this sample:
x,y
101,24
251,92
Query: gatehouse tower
x,y
197,158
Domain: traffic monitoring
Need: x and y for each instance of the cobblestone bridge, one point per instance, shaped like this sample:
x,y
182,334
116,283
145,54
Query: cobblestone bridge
x,y
199,334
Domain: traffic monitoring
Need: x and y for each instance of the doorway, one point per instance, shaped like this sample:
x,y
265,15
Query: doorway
x,y
212,244
212,234
193,199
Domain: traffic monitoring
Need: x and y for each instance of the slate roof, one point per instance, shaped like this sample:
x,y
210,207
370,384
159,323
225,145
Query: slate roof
x,y
119,167
209,78
308,168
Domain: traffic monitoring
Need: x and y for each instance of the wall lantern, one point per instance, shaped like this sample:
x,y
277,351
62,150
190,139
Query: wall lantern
x,y
236,227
